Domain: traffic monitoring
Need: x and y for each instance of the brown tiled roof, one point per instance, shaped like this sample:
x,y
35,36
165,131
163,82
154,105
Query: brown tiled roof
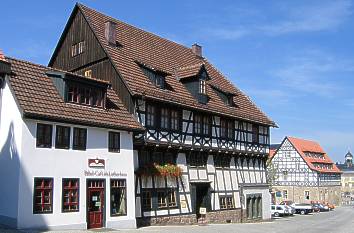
x,y
168,56
302,146
188,71
39,98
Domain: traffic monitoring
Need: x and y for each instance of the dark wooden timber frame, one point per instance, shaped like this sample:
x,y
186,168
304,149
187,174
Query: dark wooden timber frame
x,y
247,156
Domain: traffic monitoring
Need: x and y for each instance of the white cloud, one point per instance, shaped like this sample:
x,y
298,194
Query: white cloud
x,y
313,72
326,15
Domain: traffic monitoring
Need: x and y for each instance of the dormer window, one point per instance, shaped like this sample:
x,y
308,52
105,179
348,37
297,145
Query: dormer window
x,y
157,78
85,94
202,87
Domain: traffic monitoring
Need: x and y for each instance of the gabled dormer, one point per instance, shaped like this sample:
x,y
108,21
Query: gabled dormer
x,y
194,78
156,76
226,96
80,90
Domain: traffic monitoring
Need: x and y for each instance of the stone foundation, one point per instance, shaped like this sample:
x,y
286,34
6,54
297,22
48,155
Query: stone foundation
x,y
224,216
189,219
220,216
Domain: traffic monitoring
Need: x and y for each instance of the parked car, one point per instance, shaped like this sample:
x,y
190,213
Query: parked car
x,y
279,210
323,208
302,208
315,207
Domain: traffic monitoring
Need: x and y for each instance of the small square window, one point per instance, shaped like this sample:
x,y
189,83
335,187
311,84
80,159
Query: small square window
x,y
62,138
114,142
79,139
44,135
88,73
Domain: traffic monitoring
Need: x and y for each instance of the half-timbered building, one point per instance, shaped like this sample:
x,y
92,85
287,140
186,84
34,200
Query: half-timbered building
x,y
205,143
304,173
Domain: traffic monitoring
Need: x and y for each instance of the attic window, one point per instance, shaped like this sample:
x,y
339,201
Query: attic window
x,y
155,77
202,87
78,48
85,94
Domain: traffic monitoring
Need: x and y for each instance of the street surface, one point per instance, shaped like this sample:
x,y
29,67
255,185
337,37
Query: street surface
x,y
339,221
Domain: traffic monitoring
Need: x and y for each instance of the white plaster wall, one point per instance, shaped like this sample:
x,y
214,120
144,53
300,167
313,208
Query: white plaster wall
x,y
60,163
10,152
266,200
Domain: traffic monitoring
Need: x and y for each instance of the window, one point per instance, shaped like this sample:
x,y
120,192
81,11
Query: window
x,y
161,199
174,120
44,135
255,133
307,195
79,139
164,118
62,137
285,175
166,198
285,194
157,78
161,158
146,200
226,202
84,94
171,198
197,124
70,198
43,195
74,50
223,129
206,125
197,159
81,47
150,115
114,142
78,48
230,129
118,197
88,73
202,87
222,161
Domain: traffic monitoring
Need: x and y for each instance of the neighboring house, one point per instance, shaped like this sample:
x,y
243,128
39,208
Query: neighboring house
x,y
347,180
305,173
66,150
206,143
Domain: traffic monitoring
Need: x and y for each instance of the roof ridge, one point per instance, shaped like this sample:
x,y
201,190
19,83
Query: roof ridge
x,y
138,28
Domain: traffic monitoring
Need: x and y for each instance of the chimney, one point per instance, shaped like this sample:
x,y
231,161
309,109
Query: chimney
x,y
110,32
197,50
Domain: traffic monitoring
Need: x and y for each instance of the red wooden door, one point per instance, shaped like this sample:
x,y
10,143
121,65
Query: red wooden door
x,y
95,206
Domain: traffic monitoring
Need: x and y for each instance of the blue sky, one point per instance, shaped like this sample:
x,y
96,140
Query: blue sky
x,y
295,59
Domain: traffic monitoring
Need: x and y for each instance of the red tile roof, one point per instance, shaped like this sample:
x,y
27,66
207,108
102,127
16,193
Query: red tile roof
x,y
167,56
39,98
302,146
271,153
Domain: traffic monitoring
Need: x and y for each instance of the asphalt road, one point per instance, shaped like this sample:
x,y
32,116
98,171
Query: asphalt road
x,y
339,221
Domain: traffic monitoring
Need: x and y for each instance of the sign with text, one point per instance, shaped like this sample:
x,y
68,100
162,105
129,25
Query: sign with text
x,y
104,173
202,211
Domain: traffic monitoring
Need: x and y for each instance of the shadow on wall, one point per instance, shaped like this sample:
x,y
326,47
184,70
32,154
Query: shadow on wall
x,y
10,170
